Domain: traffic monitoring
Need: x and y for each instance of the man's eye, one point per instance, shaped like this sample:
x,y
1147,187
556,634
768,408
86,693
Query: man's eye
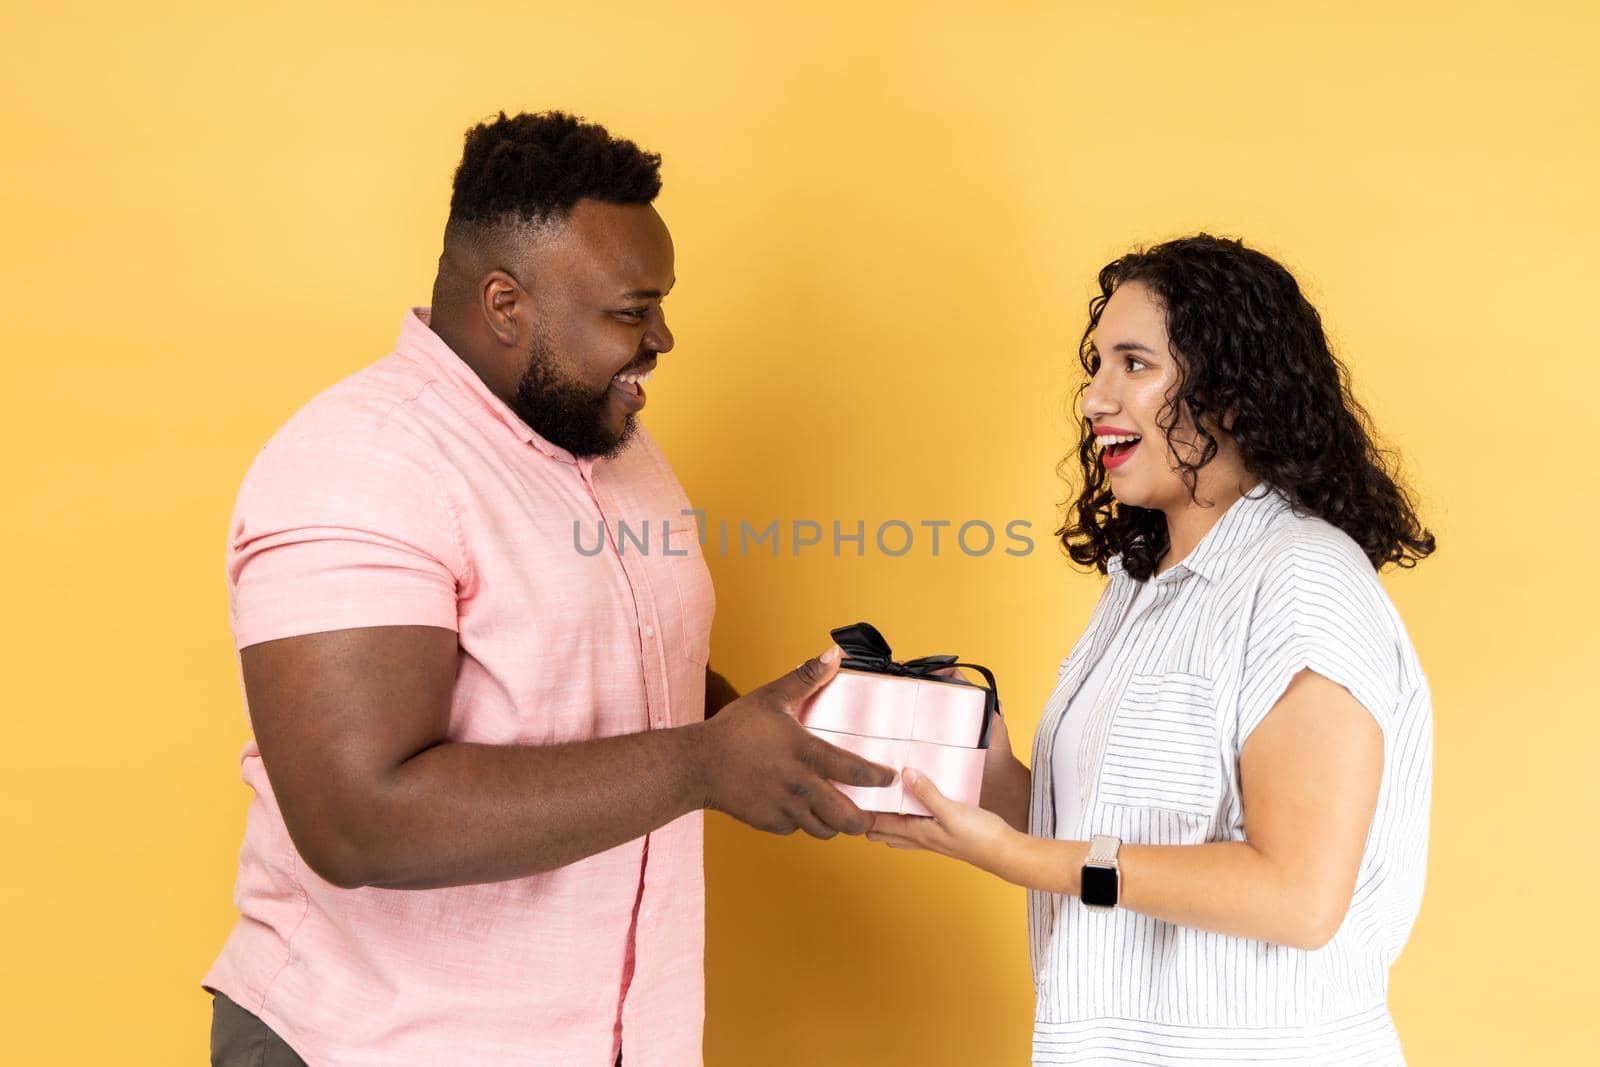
x,y
633,314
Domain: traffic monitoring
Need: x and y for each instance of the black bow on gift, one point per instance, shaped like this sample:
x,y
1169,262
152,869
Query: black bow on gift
x,y
866,650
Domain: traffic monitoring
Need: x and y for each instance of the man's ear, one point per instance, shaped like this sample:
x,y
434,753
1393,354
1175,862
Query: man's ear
x,y
505,306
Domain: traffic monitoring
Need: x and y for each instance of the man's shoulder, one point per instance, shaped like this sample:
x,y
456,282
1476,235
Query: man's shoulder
x,y
361,405
362,427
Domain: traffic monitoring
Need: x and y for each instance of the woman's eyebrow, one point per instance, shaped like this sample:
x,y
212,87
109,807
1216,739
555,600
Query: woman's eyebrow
x,y
1132,346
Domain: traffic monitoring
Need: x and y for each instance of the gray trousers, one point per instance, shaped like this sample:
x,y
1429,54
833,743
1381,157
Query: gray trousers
x,y
239,1039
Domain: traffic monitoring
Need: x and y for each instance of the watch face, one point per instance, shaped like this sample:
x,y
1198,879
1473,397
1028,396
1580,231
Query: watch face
x,y
1100,887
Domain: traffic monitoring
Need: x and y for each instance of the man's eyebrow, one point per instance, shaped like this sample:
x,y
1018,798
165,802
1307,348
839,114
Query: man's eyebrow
x,y
647,294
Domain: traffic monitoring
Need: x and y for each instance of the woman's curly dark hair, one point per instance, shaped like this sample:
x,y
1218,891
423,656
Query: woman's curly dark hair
x,y
1251,349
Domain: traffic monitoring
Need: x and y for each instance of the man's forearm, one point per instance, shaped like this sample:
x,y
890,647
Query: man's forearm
x,y
459,814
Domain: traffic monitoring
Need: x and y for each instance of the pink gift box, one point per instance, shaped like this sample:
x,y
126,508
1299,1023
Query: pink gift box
x,y
901,715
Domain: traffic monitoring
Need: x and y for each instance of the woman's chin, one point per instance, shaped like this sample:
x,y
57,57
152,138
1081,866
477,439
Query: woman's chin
x,y
1130,493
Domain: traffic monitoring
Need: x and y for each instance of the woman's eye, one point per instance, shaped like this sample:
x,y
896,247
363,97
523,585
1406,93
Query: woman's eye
x,y
1135,363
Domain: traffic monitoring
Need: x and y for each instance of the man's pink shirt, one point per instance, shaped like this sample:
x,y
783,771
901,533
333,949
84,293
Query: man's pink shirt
x,y
409,494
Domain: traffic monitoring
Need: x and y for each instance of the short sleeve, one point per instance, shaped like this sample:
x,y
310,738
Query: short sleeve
x,y
1320,607
342,531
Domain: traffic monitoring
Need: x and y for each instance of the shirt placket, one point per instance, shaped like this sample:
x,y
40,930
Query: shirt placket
x,y
647,623
1102,628
647,620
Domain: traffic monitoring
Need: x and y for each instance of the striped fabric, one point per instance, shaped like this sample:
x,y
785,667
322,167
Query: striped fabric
x,y
1069,742
1187,678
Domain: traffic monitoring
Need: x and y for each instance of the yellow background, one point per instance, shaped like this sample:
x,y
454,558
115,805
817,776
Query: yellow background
x,y
888,219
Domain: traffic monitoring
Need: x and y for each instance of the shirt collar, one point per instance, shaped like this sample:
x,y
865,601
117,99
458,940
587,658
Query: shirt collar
x,y
419,342
1244,524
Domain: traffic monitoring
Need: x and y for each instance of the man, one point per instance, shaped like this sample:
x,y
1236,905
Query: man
x,y
481,754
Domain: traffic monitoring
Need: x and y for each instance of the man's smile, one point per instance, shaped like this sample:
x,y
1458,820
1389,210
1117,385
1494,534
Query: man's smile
x,y
628,385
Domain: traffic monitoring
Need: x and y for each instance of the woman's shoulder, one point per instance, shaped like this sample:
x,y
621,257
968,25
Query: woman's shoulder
x,y
1302,567
1300,547
1310,577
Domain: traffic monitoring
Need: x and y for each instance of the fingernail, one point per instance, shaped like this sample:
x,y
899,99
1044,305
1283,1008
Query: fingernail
x,y
912,776
830,655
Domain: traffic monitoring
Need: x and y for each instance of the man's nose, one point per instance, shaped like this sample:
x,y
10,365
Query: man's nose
x,y
658,338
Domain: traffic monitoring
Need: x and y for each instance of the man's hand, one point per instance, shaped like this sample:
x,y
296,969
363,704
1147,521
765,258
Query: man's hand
x,y
764,769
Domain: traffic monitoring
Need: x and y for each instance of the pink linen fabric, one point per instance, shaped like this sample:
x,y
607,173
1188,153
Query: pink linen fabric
x,y
410,494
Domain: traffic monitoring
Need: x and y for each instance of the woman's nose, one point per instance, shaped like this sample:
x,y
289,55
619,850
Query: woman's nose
x,y
1096,402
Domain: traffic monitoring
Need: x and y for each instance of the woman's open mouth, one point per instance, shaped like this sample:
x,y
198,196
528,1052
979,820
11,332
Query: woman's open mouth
x,y
1116,449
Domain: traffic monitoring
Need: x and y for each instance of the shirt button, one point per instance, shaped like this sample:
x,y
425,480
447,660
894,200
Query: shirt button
x,y
649,631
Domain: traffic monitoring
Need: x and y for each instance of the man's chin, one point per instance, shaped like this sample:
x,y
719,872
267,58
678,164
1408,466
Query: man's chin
x,y
587,430
609,440
630,426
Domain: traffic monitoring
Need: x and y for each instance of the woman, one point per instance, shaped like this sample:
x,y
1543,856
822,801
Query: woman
x,y
1225,837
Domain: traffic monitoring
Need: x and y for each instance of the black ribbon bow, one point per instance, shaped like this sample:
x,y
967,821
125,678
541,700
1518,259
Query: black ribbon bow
x,y
866,650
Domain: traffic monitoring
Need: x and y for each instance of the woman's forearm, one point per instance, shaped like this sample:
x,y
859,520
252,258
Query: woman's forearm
x,y
1227,887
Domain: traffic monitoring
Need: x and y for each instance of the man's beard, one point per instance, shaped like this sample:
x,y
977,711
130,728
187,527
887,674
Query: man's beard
x,y
565,413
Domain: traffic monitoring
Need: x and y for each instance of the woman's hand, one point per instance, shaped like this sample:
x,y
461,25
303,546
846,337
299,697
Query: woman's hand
x,y
957,830
1007,784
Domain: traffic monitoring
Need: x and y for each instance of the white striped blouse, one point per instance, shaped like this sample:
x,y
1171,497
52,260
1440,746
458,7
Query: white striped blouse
x,y
1264,595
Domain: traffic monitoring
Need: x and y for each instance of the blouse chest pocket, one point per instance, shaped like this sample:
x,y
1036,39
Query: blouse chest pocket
x,y
1161,751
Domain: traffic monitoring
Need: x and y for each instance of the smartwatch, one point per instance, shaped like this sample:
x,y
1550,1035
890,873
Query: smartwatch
x,y
1102,879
